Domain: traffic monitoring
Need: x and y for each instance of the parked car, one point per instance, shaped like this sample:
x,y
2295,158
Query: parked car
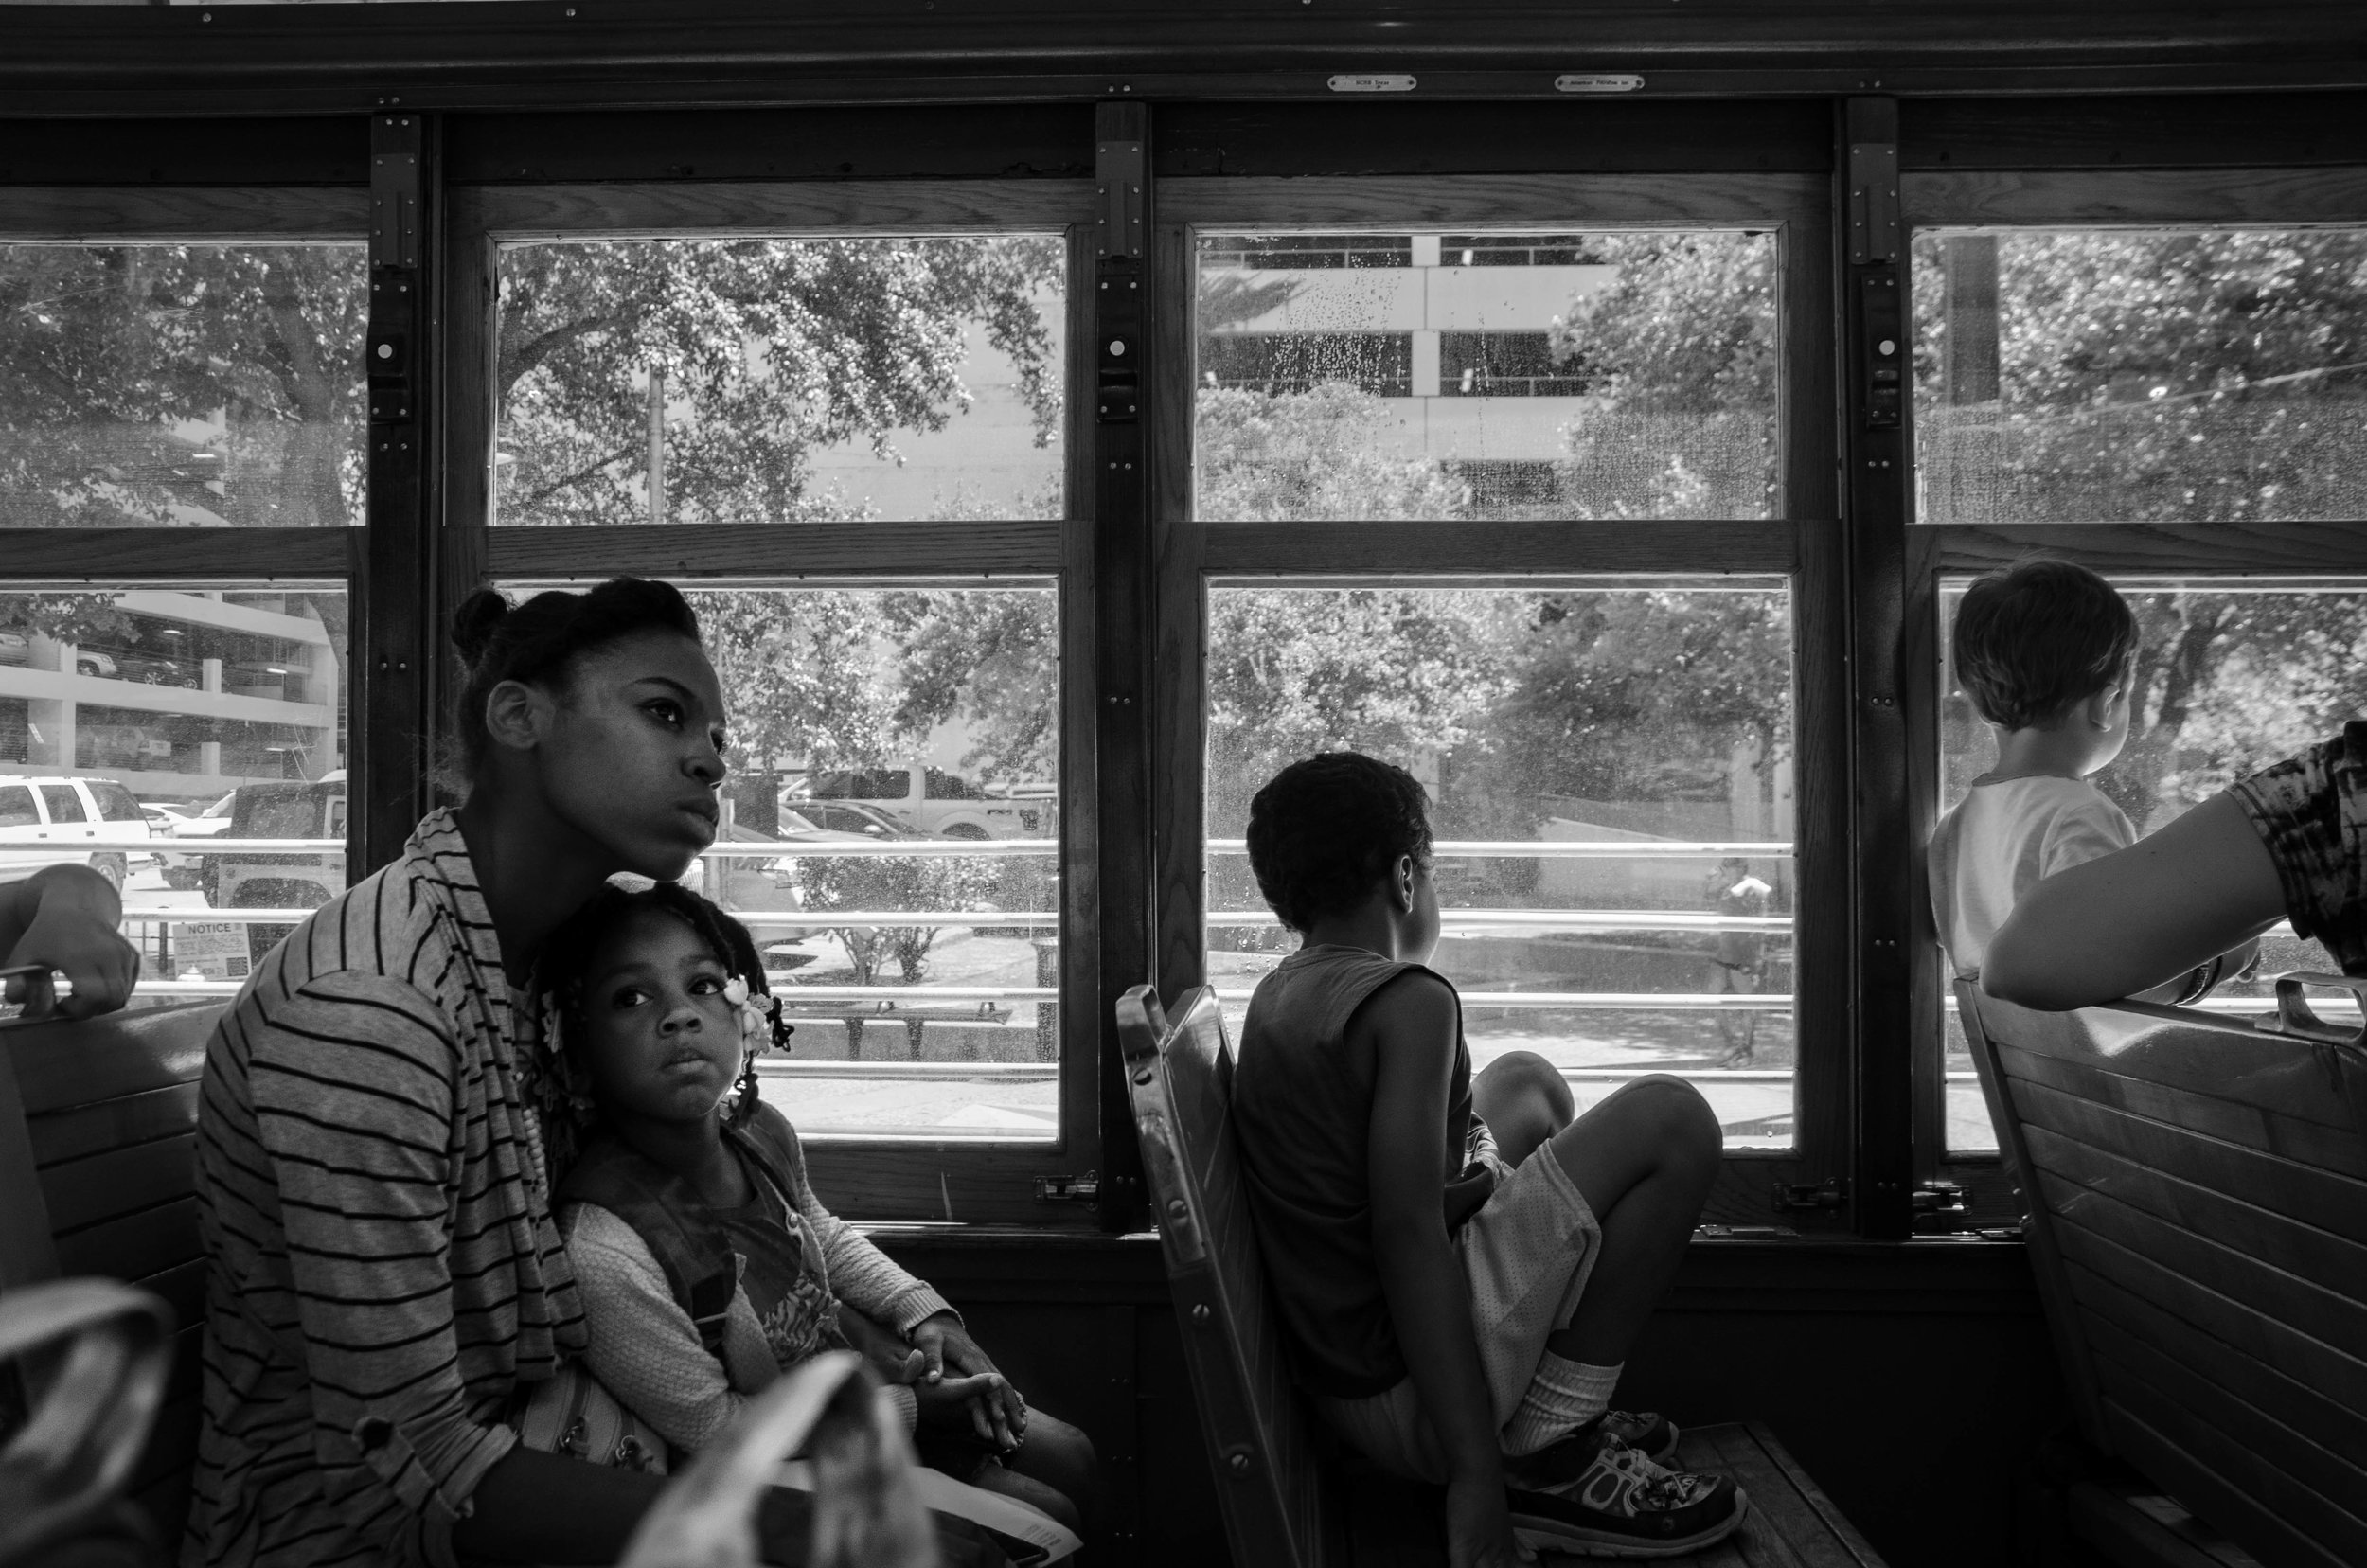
x,y
929,800
183,871
842,816
305,879
17,648
817,822
42,819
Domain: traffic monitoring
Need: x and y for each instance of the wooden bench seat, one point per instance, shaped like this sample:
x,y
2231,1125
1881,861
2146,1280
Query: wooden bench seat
x,y
2197,1190
97,1140
1288,1503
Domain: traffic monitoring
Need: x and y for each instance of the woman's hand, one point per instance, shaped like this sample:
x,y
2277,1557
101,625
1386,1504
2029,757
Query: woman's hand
x,y
1478,1527
946,1346
890,1357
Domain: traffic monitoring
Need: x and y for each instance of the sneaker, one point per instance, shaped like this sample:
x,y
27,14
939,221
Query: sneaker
x,y
1652,1434
1591,1495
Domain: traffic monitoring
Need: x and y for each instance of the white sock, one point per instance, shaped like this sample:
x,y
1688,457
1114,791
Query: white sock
x,y
1563,1397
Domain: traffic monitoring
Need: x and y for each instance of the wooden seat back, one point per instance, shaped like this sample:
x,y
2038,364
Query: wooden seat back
x,y
98,1166
1277,1513
2197,1190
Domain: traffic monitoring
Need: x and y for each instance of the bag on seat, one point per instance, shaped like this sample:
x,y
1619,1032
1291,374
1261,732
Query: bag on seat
x,y
103,1348
574,1414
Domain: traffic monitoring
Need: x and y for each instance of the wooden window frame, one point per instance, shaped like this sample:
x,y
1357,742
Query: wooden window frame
x,y
2230,194
1800,544
2069,163
902,1179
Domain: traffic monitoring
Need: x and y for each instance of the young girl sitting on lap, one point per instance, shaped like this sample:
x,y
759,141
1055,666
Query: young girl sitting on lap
x,y
706,1264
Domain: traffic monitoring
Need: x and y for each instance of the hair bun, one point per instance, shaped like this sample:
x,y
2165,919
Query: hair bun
x,y
473,624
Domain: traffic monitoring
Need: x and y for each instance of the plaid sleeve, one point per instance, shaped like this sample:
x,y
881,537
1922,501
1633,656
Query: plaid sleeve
x,y
2310,811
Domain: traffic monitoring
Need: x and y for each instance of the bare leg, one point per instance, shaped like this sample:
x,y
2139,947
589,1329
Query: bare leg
x,y
1525,1100
1056,1470
1644,1160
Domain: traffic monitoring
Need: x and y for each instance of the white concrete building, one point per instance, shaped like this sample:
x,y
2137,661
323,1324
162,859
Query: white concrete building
x,y
1454,330
193,695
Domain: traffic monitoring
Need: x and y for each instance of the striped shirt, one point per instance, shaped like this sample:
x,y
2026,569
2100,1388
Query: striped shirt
x,y
385,1269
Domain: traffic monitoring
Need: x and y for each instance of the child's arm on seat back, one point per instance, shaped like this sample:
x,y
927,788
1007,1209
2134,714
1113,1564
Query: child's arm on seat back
x,y
1410,1027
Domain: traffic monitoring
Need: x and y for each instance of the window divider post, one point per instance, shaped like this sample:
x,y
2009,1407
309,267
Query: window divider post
x,y
392,642
1121,609
1877,385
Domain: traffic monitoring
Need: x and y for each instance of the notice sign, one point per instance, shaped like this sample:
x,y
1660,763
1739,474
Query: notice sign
x,y
214,951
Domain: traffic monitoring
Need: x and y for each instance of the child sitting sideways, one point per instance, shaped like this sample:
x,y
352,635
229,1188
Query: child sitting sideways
x,y
2046,651
1460,1268
706,1263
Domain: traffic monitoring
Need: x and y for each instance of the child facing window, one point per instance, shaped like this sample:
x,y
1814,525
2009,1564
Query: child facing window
x,y
1460,1266
706,1264
2047,651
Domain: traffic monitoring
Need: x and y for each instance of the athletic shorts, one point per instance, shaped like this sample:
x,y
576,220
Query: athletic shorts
x,y
1526,1254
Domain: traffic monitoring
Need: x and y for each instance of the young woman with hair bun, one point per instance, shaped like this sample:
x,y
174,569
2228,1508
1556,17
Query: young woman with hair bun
x,y
374,1187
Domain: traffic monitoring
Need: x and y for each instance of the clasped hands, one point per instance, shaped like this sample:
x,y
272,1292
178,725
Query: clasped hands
x,y
957,1387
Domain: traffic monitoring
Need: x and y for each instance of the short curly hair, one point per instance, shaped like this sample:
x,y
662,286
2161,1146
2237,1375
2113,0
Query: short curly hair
x,y
1327,829
2035,638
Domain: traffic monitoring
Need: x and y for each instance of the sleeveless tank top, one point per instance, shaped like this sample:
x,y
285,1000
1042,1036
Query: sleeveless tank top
x,y
1301,1113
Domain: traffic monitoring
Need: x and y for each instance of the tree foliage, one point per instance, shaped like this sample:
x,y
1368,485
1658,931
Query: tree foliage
x,y
1636,695
2217,376
2156,377
2214,376
857,678
178,386
1324,452
1518,695
911,883
990,659
1401,674
767,349
1680,353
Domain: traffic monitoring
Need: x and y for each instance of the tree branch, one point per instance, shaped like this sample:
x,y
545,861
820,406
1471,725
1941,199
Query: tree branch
x,y
578,477
513,366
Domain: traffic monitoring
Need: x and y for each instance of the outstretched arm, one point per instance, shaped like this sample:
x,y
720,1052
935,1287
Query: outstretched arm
x,y
2135,919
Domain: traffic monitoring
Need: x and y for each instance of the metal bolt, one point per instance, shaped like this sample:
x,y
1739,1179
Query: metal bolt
x,y
1177,1209
1201,1315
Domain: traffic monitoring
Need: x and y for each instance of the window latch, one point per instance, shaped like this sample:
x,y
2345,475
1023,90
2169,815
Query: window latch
x,y
1068,1189
1792,1197
1938,1209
